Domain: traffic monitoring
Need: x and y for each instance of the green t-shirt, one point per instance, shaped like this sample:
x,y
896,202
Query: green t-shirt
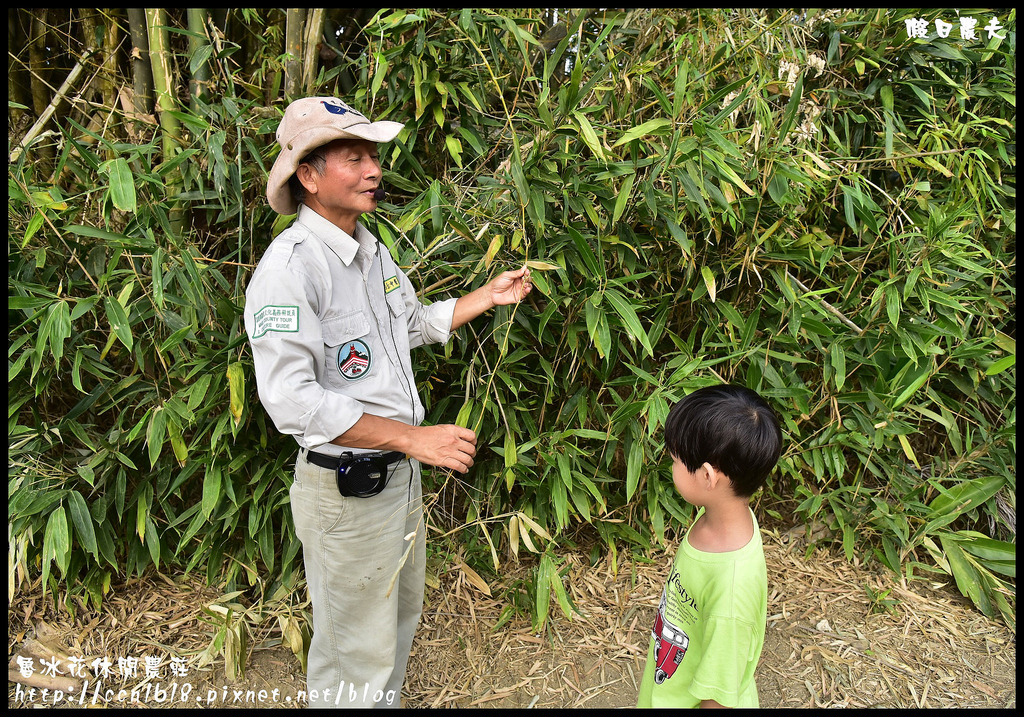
x,y
709,629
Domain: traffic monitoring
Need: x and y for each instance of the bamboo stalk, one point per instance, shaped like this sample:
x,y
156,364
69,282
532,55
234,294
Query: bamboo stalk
x,y
37,60
200,81
52,107
170,127
142,74
827,306
108,71
296,17
159,55
18,79
314,33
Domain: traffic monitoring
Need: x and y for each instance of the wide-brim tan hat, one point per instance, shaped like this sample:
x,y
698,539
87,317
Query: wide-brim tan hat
x,y
310,123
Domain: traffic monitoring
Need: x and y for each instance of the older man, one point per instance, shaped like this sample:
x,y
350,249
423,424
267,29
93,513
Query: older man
x,y
331,319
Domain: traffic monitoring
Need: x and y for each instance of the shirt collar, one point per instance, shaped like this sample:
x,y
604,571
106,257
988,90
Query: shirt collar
x,y
337,240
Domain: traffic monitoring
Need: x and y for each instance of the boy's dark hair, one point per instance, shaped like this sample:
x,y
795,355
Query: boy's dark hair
x,y
730,427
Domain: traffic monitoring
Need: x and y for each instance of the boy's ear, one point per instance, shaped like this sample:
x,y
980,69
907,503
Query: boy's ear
x,y
710,476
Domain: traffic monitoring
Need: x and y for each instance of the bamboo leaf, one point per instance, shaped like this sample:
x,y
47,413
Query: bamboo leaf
x,y
211,491
236,391
122,184
988,549
965,496
731,175
490,545
848,207
511,453
588,134
905,443
709,281
543,599
454,147
57,540
560,593
474,579
789,115
34,224
968,581
492,250
838,357
634,463
82,519
533,525
465,413
142,511
594,266
1001,365
921,378
177,443
155,433
58,328
623,199
626,312
654,126
541,265
593,316
152,541
118,319
513,535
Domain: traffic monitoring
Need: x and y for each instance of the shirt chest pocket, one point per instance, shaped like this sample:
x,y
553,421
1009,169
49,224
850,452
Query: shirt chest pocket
x,y
348,355
396,306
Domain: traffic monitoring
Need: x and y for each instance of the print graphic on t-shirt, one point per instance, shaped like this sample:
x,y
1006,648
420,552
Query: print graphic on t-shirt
x,y
353,359
670,643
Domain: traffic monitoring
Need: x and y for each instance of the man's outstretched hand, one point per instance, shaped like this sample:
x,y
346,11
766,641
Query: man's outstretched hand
x,y
510,287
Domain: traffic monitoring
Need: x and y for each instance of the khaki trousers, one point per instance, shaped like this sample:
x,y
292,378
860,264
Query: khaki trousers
x,y
364,616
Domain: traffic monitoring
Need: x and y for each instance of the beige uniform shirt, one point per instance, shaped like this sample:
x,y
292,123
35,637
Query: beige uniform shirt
x,y
331,320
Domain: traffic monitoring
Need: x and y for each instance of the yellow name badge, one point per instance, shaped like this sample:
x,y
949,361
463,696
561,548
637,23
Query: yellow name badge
x,y
390,284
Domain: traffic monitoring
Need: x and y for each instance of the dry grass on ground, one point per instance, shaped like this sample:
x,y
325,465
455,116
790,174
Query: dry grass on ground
x,y
829,642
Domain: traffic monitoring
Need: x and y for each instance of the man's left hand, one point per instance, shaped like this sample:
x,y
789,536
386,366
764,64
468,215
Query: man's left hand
x,y
511,287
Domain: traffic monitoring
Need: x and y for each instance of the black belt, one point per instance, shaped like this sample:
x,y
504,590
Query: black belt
x,y
334,462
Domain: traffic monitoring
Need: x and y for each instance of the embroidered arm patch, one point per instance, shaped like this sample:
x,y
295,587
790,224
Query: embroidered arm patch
x,y
276,318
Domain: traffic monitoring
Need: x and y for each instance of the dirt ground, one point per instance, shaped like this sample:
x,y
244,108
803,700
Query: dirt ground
x,y
839,635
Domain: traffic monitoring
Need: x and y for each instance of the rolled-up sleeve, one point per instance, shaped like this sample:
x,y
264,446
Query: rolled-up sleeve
x,y
288,354
428,323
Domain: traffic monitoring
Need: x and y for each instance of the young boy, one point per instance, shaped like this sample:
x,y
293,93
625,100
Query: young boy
x,y
709,630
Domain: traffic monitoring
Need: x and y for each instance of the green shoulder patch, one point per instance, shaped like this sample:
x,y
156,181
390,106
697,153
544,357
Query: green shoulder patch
x,y
390,284
276,318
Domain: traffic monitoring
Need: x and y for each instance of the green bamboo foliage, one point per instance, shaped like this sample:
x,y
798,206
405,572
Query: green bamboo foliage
x,y
817,206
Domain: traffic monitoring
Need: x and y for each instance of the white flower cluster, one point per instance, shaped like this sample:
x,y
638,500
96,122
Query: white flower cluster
x,y
756,131
810,110
790,71
816,63
727,101
827,16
